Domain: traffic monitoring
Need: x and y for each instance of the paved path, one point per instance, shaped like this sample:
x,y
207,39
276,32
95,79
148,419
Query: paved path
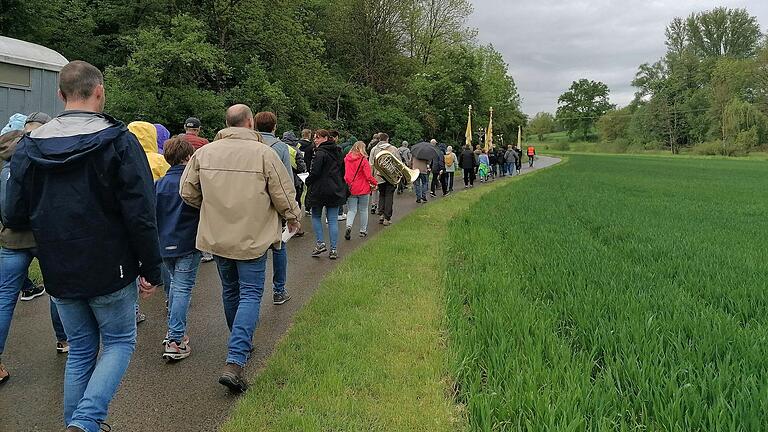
x,y
156,395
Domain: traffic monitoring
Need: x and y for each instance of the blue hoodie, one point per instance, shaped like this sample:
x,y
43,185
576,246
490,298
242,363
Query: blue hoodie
x,y
81,182
176,221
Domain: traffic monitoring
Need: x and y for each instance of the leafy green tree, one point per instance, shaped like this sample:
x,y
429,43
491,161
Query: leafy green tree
x,y
170,75
614,124
541,124
581,106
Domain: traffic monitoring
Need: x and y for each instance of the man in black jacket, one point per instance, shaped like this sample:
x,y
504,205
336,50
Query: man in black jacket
x,y
82,184
468,164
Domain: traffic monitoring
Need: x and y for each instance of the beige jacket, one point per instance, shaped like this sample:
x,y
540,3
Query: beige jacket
x,y
241,188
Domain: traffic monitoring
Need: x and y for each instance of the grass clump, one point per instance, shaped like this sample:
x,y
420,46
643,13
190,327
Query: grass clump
x,y
614,293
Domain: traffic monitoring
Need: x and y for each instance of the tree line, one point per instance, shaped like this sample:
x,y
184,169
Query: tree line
x,y
407,67
709,92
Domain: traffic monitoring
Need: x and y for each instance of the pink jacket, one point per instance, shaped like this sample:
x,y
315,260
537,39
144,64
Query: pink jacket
x,y
363,181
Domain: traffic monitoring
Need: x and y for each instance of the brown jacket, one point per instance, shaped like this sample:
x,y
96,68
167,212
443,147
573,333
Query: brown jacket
x,y
12,239
241,188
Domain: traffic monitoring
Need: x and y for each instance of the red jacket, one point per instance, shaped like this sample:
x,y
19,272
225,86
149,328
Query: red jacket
x,y
363,180
195,140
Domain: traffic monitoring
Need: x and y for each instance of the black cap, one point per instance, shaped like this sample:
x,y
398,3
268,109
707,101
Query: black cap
x,y
192,123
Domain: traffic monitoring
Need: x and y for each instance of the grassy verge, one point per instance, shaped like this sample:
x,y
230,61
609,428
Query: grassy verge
x,y
615,293
368,352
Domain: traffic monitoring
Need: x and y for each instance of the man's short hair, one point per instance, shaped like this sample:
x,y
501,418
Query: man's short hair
x,y
383,137
306,134
238,117
265,121
334,133
78,79
177,149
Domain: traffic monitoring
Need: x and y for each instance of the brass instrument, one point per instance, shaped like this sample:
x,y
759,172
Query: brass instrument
x,y
393,169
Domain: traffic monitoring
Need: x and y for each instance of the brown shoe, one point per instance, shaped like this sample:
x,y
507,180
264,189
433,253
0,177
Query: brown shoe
x,y
4,375
232,378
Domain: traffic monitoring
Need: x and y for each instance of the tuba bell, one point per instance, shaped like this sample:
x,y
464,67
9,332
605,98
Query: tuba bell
x,y
392,169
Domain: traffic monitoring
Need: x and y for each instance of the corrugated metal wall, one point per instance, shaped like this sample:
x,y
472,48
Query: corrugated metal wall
x,y
40,97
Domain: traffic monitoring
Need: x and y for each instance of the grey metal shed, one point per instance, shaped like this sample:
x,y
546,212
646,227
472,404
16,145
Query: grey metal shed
x,y
28,78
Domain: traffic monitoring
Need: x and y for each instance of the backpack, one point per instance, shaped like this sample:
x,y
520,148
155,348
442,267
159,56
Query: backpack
x,y
5,175
449,160
405,155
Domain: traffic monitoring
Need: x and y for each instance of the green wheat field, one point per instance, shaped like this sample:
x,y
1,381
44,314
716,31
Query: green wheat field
x,y
614,293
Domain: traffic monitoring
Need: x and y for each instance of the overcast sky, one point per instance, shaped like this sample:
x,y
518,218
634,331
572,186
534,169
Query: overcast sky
x,y
548,44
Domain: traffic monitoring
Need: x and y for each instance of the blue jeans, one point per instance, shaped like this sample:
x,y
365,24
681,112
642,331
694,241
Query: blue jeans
x,y
357,203
421,185
279,269
182,272
242,284
14,265
90,380
333,224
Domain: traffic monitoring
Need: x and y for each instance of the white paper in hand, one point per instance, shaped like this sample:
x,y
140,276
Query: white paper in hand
x,y
287,235
303,177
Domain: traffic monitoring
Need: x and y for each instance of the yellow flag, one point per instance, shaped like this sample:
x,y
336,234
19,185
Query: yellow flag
x,y
468,133
489,133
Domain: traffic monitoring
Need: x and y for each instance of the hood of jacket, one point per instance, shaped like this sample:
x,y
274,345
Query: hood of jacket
x,y
238,133
354,157
163,135
385,146
70,137
290,138
332,148
146,134
8,143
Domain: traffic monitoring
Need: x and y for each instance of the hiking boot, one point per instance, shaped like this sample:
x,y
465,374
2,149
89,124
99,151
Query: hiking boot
x,y
232,378
176,351
319,249
348,233
62,347
4,375
363,234
279,299
387,222
32,293
333,254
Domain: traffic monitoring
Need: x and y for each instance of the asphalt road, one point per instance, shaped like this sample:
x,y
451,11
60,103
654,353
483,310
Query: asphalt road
x,y
155,395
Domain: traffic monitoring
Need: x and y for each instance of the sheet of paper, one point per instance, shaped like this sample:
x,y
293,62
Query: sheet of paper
x,y
287,235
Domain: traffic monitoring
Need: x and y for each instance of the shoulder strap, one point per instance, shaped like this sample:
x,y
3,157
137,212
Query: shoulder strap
x,y
358,170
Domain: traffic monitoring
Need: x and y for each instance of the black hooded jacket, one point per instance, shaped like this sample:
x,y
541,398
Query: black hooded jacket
x,y
326,178
83,185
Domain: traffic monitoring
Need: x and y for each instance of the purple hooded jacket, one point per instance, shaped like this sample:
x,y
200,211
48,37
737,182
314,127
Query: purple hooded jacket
x,y
162,136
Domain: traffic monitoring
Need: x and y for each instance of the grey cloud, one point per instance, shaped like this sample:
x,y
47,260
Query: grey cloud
x,y
549,43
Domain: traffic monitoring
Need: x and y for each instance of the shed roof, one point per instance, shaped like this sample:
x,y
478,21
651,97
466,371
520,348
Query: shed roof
x,y
23,53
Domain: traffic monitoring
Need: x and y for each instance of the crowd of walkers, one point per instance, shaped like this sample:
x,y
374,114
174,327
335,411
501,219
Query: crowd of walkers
x,y
112,212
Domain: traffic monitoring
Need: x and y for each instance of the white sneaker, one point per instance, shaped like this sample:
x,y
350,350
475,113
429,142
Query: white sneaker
x,y
343,216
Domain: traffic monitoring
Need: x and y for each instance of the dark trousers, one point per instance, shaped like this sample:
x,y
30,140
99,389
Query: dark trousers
x,y
386,199
438,178
469,177
449,180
